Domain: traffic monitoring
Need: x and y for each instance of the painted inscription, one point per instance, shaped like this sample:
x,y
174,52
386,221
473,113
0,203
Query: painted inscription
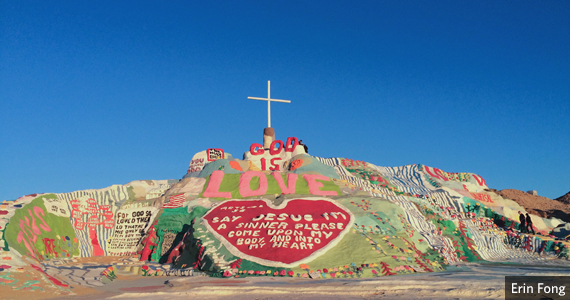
x,y
296,231
314,182
88,214
460,177
276,156
198,162
32,226
57,207
131,225
215,154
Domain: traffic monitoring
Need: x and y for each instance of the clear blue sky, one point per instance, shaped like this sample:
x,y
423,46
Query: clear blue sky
x,y
95,93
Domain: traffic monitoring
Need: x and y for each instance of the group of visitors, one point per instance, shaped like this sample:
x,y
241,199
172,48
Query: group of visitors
x,y
526,223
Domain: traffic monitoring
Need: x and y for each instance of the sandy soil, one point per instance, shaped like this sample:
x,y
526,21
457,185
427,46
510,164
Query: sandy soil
x,y
467,281
564,199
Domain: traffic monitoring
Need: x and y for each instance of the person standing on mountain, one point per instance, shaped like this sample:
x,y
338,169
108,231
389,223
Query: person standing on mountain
x,y
529,224
304,146
523,222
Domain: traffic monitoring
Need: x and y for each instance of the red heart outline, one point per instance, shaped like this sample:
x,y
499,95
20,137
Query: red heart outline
x,y
300,221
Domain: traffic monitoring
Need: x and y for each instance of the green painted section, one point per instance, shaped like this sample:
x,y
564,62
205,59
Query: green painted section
x,y
34,232
175,218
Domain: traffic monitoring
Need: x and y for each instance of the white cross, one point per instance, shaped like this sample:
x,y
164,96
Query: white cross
x,y
268,99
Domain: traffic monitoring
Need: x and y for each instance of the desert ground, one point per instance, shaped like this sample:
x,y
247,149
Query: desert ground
x,y
461,281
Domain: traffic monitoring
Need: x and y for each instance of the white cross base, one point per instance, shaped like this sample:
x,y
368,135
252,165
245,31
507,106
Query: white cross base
x,y
268,99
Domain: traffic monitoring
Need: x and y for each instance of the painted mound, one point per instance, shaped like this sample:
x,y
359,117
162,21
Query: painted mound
x,y
277,212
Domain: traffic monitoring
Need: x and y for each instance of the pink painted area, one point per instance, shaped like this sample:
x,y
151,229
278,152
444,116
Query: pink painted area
x,y
213,188
291,182
382,180
436,173
29,230
23,237
33,225
315,186
244,184
39,213
97,250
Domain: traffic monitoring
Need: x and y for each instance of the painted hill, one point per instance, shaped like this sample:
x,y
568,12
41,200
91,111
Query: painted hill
x,y
277,212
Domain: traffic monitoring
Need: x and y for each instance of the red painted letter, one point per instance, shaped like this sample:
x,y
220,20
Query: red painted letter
x,y
259,150
290,147
275,166
278,150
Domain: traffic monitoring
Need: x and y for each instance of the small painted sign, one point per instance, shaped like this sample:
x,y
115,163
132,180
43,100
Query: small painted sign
x,y
215,154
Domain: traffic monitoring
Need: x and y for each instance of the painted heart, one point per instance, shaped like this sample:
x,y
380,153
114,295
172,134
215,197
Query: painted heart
x,y
297,231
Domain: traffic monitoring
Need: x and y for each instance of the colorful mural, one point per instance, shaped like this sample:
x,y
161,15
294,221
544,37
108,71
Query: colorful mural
x,y
277,212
